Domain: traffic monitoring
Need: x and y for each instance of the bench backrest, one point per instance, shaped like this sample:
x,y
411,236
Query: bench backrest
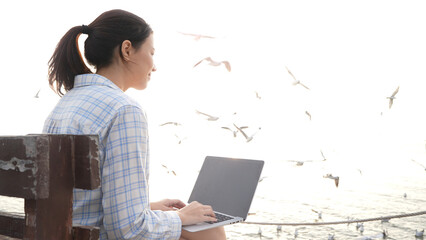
x,y
43,169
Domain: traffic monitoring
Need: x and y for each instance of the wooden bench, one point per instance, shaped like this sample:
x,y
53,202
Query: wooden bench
x,y
43,169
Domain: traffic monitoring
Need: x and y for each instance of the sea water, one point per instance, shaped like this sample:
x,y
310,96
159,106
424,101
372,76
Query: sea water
x,y
296,194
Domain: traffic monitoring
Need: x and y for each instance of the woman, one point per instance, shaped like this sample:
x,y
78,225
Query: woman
x,y
120,47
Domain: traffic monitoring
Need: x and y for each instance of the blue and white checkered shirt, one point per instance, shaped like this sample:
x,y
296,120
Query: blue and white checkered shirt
x,y
120,207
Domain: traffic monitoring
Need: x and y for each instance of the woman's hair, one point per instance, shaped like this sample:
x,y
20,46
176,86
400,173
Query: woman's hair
x,y
105,33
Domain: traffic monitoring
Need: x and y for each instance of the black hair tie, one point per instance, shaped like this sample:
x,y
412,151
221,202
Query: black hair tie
x,y
85,29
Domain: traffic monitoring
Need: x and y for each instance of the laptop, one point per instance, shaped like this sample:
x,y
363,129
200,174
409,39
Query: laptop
x,y
228,185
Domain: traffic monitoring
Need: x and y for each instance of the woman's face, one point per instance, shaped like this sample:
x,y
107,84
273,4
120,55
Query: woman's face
x,y
141,64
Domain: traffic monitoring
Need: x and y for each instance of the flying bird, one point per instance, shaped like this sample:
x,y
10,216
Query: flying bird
x,y
300,162
262,178
295,80
196,37
322,154
37,94
215,63
317,212
180,139
234,132
309,115
335,178
171,123
391,98
248,138
423,166
168,170
209,117
257,95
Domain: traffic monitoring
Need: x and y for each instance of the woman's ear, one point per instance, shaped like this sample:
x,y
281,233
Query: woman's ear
x,y
126,47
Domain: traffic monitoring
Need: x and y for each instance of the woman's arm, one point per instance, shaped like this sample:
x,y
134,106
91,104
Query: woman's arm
x,y
125,200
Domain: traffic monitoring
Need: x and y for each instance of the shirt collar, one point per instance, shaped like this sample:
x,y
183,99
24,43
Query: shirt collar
x,y
93,79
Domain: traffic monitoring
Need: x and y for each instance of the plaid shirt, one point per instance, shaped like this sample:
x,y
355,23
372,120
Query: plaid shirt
x,y
120,207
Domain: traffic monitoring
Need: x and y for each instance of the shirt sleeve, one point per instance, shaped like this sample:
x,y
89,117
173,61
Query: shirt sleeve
x,y
125,200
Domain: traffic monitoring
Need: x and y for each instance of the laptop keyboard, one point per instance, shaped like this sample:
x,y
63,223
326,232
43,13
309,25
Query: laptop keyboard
x,y
220,218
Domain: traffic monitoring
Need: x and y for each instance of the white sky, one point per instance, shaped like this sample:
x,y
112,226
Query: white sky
x,y
352,54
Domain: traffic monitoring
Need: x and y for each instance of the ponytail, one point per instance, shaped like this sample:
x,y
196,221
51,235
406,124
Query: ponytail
x,y
67,61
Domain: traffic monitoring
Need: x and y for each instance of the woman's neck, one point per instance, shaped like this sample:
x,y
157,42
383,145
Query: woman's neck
x,y
114,74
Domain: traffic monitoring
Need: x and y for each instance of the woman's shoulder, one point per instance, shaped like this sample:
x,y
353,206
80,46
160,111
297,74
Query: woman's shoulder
x,y
103,90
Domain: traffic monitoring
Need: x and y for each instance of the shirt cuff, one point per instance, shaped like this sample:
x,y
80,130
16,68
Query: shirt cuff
x,y
175,224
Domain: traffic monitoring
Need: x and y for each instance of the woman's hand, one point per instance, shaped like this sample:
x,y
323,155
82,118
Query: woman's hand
x,y
196,212
167,205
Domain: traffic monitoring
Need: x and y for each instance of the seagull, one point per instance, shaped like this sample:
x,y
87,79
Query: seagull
x,y
384,234
180,139
360,227
419,234
309,115
215,63
248,139
257,95
196,36
391,98
37,94
234,132
171,123
295,80
279,229
210,117
317,212
336,178
168,171
299,162
330,236
423,166
322,154
261,179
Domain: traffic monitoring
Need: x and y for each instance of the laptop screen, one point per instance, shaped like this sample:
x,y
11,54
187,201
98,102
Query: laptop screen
x,y
227,184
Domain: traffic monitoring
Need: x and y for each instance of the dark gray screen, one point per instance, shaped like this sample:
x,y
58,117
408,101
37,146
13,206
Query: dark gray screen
x,y
227,184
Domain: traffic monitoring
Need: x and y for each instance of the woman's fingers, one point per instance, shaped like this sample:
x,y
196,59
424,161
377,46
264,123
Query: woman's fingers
x,y
196,212
178,204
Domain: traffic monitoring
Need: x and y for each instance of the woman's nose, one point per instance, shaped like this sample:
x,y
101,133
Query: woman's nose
x,y
154,68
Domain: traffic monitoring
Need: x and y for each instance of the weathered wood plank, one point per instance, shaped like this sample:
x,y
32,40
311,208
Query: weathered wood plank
x,y
85,232
44,169
11,225
87,173
24,167
51,218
